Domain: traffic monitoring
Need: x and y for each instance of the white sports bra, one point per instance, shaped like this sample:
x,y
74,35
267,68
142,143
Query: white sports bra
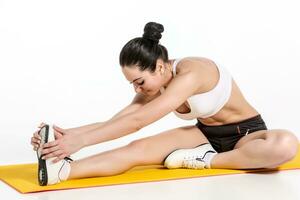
x,y
207,104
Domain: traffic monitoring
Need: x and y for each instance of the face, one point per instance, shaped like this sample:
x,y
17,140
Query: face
x,y
145,82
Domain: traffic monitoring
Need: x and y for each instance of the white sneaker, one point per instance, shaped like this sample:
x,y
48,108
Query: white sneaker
x,y
190,158
48,172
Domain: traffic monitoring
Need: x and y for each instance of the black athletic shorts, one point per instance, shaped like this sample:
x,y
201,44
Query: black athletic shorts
x,y
224,137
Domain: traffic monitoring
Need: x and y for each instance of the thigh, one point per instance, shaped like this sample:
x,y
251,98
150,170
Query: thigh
x,y
275,136
261,134
154,149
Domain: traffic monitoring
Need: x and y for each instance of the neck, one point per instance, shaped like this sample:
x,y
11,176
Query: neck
x,y
169,74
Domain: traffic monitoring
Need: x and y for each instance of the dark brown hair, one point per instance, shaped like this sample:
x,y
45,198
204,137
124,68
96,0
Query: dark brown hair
x,y
144,51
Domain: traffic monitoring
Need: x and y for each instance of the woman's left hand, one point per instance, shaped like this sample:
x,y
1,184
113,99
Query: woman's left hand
x,y
64,145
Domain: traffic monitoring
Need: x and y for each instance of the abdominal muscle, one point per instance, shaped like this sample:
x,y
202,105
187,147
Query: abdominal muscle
x,y
235,110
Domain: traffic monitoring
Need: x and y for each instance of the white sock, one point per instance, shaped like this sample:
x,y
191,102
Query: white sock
x,y
208,158
65,170
209,155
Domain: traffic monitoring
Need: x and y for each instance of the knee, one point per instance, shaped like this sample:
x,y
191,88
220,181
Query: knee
x,y
139,151
285,147
138,147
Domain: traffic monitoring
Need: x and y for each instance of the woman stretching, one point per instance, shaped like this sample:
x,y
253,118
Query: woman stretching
x,y
229,132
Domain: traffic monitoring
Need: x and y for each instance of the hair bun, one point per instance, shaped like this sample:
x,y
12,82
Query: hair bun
x,y
152,31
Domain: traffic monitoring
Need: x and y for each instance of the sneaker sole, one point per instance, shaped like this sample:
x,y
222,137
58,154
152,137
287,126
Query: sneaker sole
x,y
42,168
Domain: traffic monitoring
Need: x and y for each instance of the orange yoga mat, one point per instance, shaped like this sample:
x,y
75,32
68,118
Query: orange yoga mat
x,y
23,177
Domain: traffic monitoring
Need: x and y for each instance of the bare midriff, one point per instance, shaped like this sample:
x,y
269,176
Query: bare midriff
x,y
235,110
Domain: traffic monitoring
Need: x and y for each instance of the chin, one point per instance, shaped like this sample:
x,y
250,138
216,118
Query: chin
x,y
148,93
152,93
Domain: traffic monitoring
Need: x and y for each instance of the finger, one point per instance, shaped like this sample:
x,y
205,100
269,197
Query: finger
x,y
53,154
50,150
35,140
35,144
37,135
57,135
50,144
42,124
59,158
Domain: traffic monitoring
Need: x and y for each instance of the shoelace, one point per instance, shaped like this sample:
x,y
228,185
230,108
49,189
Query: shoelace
x,y
193,163
68,159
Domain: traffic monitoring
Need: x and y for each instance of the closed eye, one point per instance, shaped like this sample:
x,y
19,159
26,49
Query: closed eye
x,y
141,83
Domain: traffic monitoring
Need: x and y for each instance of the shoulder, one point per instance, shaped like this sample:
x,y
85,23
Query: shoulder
x,y
199,71
193,65
198,67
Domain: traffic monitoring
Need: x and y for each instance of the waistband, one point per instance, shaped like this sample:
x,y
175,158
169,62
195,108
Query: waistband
x,y
257,117
235,129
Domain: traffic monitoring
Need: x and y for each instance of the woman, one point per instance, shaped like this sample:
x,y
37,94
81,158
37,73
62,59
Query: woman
x,y
229,132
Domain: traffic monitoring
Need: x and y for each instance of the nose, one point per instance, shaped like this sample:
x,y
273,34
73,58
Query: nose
x,y
137,89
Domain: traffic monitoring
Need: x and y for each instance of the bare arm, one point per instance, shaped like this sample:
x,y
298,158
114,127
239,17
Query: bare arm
x,y
119,125
180,89
85,128
137,102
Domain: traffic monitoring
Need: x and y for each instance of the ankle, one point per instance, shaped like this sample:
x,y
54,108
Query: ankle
x,y
209,158
213,162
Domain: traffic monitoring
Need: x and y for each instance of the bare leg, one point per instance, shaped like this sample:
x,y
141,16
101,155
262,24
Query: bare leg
x,y
264,149
104,164
147,151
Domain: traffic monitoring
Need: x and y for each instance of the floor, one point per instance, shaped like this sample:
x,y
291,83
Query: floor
x,y
279,185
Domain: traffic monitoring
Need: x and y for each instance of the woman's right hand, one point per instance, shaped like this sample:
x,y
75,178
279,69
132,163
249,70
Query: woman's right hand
x,y
36,138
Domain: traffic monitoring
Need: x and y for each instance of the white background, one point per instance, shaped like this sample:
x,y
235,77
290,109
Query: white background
x,y
59,61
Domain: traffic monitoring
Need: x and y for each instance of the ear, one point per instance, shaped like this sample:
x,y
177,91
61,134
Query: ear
x,y
160,66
